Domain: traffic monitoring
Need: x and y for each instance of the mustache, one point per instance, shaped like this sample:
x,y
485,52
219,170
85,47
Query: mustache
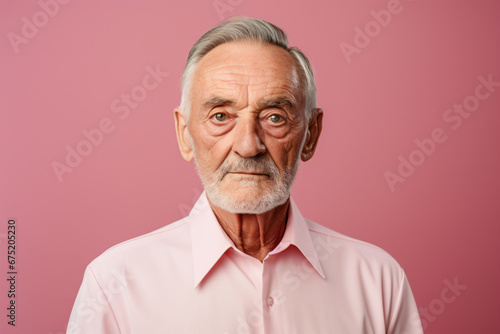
x,y
262,164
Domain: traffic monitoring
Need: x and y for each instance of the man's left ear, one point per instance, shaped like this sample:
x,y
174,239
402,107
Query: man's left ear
x,y
312,136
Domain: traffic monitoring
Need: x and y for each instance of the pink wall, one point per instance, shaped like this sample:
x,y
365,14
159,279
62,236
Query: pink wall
x,y
67,73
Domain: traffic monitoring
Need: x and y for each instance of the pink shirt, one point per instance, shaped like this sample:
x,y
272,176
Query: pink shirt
x,y
188,277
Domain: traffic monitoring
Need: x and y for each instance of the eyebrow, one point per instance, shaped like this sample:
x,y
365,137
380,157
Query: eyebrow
x,y
279,102
282,101
217,101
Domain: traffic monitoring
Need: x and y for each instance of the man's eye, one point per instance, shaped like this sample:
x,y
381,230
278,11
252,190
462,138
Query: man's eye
x,y
275,118
220,117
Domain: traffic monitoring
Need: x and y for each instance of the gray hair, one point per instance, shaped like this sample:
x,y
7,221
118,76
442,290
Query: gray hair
x,y
245,28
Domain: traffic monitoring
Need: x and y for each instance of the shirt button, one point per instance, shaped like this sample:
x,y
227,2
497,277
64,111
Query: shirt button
x,y
270,301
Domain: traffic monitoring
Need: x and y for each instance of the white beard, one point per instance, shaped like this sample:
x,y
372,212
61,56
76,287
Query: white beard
x,y
259,202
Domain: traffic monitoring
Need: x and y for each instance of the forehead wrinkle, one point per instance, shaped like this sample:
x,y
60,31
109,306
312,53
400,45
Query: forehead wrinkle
x,y
265,96
256,81
214,68
246,72
259,82
244,82
228,54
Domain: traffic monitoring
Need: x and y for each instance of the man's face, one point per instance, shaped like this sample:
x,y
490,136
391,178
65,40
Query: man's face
x,y
247,125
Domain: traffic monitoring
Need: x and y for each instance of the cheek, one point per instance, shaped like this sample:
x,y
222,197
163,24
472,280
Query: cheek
x,y
211,151
284,151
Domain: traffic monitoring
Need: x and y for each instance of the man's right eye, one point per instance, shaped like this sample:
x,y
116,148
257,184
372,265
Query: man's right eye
x,y
220,117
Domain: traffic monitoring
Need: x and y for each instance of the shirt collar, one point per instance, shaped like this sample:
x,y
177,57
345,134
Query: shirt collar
x,y
297,234
209,241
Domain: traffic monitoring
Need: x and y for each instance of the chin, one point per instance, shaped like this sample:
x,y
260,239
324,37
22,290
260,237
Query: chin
x,y
247,200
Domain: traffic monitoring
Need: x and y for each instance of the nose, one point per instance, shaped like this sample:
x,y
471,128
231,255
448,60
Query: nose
x,y
247,142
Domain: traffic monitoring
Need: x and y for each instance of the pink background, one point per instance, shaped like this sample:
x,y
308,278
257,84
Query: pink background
x,y
441,223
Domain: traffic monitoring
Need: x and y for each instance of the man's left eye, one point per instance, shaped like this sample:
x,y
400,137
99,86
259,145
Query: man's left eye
x,y
275,118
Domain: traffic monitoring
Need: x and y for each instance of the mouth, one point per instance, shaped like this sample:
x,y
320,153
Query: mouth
x,y
248,173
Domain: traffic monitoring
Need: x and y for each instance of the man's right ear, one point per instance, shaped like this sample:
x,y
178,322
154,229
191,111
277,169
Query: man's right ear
x,y
183,135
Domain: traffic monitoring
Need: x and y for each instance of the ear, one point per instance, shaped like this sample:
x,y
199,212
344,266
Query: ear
x,y
312,136
183,135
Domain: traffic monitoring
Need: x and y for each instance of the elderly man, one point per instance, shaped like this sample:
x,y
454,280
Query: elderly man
x,y
245,260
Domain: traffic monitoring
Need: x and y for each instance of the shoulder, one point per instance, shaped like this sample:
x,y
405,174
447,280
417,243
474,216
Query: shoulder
x,y
332,246
164,240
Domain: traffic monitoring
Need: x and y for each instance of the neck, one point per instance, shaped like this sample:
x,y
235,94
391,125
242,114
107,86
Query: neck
x,y
254,234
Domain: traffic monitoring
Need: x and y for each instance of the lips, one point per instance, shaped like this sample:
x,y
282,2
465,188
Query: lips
x,y
248,173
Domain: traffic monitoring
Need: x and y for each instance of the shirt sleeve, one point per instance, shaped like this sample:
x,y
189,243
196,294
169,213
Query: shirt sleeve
x,y
404,318
92,312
